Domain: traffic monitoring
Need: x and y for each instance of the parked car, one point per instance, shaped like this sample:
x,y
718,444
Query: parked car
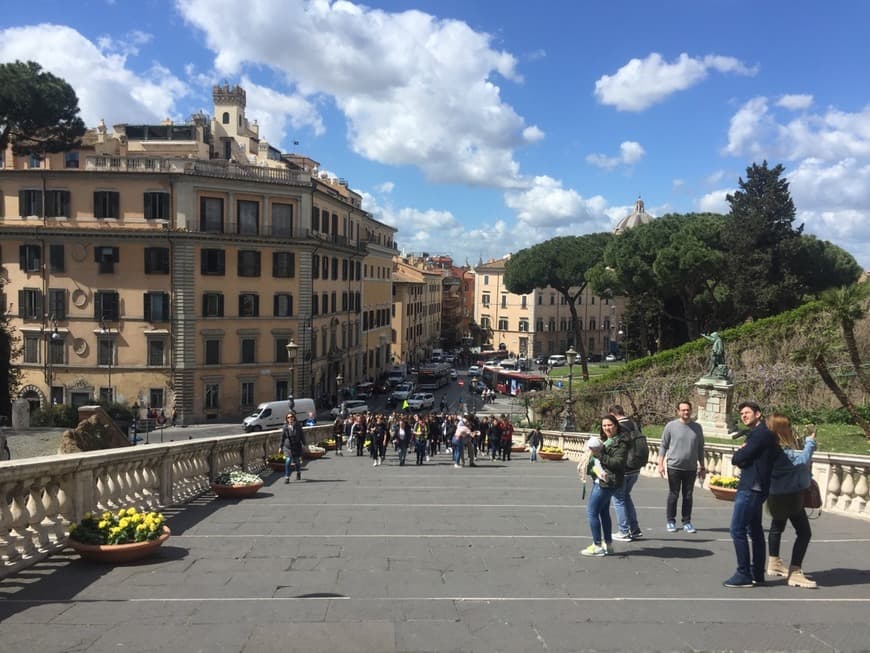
x,y
474,370
453,375
272,414
610,358
352,406
421,400
403,391
557,360
364,390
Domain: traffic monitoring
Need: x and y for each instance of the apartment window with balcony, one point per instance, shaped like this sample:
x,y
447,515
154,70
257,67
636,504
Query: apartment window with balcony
x,y
156,306
249,217
156,260
283,305
106,305
212,304
57,203
211,214
213,262
106,257
249,305
485,300
156,352
31,349
213,351
249,350
30,203
283,265
30,258
282,220
502,324
71,160
57,303
156,205
249,263
56,259
107,204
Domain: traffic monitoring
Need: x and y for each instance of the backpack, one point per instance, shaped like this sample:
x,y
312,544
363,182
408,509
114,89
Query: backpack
x,y
638,450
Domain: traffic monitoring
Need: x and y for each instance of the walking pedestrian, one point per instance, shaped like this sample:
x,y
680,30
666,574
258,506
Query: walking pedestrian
x,y
682,449
292,442
534,442
606,466
628,528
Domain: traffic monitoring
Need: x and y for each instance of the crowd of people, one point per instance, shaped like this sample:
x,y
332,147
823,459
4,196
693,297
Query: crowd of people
x,y
775,470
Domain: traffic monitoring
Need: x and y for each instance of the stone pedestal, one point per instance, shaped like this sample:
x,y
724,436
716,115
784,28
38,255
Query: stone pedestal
x,y
715,406
20,414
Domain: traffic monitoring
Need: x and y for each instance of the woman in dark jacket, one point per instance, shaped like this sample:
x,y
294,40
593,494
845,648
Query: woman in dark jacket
x,y
292,441
606,467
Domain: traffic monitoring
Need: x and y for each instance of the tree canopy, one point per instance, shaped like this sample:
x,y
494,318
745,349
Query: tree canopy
x,y
38,111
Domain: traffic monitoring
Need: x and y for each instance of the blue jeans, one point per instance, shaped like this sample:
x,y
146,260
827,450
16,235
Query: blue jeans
x,y
295,460
598,513
533,453
626,515
403,452
746,525
457,451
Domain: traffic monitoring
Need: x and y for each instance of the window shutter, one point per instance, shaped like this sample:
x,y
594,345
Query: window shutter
x,y
149,205
275,305
21,311
220,305
147,304
98,306
164,259
148,254
116,254
203,261
165,305
22,259
39,309
115,202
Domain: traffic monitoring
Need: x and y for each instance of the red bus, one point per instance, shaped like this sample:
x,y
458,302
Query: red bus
x,y
511,382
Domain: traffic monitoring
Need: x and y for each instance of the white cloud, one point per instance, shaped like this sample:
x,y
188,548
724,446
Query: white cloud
x,y
715,202
415,89
795,102
546,204
386,187
748,128
715,177
105,86
630,152
273,111
677,183
641,83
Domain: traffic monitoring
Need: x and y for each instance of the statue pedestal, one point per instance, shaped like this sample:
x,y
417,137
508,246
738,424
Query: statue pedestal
x,y
715,406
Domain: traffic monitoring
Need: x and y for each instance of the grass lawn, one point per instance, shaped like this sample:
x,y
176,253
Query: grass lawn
x,y
840,438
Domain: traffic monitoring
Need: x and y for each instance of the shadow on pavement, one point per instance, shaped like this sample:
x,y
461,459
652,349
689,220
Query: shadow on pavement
x,y
669,552
839,577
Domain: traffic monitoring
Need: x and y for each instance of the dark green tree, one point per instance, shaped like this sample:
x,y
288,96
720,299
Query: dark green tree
x,y
846,306
561,263
38,111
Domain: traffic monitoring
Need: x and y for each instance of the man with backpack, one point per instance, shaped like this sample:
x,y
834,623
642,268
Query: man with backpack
x,y
682,448
638,456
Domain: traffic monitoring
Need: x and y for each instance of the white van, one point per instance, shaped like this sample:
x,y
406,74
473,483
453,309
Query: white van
x,y
272,414
557,360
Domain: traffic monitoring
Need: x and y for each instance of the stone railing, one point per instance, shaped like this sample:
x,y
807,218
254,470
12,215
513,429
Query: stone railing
x,y
42,496
843,479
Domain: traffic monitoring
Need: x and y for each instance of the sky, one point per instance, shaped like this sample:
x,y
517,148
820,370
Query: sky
x,y
479,127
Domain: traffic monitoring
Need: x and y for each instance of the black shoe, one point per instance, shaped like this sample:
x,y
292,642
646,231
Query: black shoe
x,y
286,479
738,581
298,477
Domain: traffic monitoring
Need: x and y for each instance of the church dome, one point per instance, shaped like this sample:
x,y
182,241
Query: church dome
x,y
638,217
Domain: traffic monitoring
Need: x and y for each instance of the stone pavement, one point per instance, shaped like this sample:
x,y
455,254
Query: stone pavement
x,y
432,558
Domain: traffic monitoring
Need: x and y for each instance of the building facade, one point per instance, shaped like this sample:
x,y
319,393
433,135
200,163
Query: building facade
x,y
168,266
416,313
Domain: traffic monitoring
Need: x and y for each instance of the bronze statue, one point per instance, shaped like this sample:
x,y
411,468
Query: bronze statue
x,y
717,355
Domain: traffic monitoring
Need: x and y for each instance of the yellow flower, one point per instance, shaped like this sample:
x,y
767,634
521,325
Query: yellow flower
x,y
103,524
137,518
131,512
88,515
124,522
122,513
106,515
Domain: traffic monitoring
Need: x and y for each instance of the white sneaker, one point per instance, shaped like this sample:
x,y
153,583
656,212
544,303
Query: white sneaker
x,y
375,464
456,465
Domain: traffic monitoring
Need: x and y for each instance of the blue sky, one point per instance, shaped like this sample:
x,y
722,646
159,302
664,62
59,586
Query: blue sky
x,y
479,128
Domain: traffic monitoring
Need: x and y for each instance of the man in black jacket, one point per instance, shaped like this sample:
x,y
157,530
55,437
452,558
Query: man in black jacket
x,y
755,460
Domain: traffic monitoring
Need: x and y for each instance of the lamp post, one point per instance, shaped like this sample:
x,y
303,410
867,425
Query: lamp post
x,y
623,333
569,425
292,350
107,337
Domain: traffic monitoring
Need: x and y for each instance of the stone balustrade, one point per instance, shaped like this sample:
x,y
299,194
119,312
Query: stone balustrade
x,y
843,479
44,495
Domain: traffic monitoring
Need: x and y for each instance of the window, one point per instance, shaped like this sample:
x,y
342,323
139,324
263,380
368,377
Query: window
x,y
106,305
315,219
315,266
281,390
213,262
281,350
71,160
106,394
211,215
156,307
31,349
225,118
249,350
324,303
334,268
249,305
212,396
334,303
57,303
249,263
106,350
30,303
30,258
314,305
57,351
33,161
155,398
344,269
156,206
247,393
56,260
283,305
592,324
485,300
29,203
523,302
282,220
107,204
484,322
485,279
524,324
156,352
57,203
552,298
551,325
248,213
213,352
283,265
212,304
106,257
325,267
504,301
156,260
539,325
502,324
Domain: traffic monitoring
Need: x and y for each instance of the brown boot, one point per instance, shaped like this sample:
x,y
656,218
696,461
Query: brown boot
x,y
796,578
776,567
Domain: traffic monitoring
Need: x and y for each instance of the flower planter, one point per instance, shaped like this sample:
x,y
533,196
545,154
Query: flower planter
x,y
236,491
723,493
279,466
552,455
313,455
115,554
329,445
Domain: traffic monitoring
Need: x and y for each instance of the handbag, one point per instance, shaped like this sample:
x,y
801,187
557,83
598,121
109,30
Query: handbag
x,y
812,495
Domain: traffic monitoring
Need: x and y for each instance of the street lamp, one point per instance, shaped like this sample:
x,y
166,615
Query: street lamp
x,y
623,332
569,425
107,337
292,350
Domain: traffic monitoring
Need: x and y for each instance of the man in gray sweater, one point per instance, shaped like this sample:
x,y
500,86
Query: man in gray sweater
x,y
683,449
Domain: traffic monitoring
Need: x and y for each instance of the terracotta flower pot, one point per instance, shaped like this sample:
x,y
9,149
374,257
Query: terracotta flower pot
x,y
115,554
551,455
723,493
236,491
